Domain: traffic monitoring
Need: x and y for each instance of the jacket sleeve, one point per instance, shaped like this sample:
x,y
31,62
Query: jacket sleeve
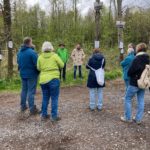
x,y
125,62
59,61
133,68
73,54
83,54
34,58
88,64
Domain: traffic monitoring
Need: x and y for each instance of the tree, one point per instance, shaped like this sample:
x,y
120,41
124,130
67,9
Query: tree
x,y
8,34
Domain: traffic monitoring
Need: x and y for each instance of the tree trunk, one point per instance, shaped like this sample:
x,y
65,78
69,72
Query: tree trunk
x,y
7,28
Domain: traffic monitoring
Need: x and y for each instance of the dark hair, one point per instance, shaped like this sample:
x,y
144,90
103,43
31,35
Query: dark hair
x,y
62,44
27,40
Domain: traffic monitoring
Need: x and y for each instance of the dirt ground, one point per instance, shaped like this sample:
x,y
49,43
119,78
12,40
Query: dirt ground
x,y
79,128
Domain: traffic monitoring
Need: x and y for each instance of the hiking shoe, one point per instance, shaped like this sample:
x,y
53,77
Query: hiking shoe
x,y
35,111
123,119
99,109
45,118
56,119
23,109
137,122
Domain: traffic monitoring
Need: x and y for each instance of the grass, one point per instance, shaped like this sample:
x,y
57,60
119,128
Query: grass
x,y
15,83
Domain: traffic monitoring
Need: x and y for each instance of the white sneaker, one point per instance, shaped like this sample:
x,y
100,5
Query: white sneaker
x,y
123,119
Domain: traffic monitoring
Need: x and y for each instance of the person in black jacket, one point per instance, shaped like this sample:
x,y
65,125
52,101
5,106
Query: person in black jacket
x,y
135,72
94,88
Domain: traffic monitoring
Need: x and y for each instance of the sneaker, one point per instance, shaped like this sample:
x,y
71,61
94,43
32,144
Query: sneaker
x,y
36,111
123,119
99,109
56,119
91,109
23,109
137,122
45,118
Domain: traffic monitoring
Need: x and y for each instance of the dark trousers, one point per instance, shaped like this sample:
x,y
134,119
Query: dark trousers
x,y
63,72
28,93
50,90
80,71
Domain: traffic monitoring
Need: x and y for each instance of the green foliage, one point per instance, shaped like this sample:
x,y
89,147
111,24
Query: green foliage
x,y
15,83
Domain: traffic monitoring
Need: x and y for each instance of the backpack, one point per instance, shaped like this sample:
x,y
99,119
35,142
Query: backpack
x,y
100,74
144,81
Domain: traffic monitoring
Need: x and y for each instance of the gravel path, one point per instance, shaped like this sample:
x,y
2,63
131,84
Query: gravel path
x,y
79,128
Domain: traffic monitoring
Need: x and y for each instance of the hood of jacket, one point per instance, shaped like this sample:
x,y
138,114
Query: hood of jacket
x,y
97,57
47,54
24,47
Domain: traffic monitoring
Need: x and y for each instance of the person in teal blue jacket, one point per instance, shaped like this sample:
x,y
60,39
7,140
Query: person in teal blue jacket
x,y
126,63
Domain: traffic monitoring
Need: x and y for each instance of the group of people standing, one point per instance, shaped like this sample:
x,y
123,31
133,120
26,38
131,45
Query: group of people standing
x,y
49,67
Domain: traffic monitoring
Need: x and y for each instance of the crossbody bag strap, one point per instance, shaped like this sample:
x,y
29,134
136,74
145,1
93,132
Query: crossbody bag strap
x,y
91,68
102,63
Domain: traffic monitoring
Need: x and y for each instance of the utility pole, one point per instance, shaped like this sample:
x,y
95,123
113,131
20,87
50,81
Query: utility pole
x,y
97,6
120,25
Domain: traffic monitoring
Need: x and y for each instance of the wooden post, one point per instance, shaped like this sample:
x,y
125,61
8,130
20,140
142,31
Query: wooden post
x,y
120,30
98,7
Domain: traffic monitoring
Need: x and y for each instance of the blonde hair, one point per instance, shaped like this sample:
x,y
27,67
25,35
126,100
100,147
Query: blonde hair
x,y
142,47
47,46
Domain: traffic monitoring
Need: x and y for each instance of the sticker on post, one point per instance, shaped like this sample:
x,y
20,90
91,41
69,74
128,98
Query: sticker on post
x,y
10,44
97,44
1,57
121,46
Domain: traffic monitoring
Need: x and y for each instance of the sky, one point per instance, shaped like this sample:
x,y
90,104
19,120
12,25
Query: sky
x,y
84,5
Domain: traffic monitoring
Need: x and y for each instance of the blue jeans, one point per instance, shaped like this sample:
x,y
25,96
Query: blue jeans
x,y
94,93
126,84
75,71
50,90
131,92
28,92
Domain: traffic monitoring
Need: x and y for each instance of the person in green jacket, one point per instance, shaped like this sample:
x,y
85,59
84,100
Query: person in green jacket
x,y
49,64
63,54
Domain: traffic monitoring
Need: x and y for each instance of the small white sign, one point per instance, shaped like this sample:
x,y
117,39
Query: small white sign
x,y
122,51
121,45
97,44
1,57
10,44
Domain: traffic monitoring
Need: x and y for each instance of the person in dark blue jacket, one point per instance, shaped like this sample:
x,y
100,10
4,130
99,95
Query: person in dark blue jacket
x,y
27,65
126,63
94,88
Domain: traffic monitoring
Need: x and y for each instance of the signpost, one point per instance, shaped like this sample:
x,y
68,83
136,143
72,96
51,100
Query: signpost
x,y
120,25
97,6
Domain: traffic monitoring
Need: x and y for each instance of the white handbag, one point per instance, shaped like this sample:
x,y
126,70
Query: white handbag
x,y
100,74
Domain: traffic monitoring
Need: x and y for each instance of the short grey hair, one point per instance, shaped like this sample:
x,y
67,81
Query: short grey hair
x,y
47,46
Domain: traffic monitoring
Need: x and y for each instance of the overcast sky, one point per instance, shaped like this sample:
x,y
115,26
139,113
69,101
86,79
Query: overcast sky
x,y
84,5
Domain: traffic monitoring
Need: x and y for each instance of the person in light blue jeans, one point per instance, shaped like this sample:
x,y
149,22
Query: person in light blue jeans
x,y
135,71
96,91
131,92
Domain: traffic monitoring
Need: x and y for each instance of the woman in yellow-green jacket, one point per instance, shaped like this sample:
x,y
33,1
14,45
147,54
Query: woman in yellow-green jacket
x,y
49,64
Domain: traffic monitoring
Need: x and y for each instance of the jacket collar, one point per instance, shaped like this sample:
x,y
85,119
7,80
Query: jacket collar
x,y
140,53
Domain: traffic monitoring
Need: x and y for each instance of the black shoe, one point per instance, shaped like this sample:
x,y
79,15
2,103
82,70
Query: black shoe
x,y
24,109
99,109
45,118
35,111
56,119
